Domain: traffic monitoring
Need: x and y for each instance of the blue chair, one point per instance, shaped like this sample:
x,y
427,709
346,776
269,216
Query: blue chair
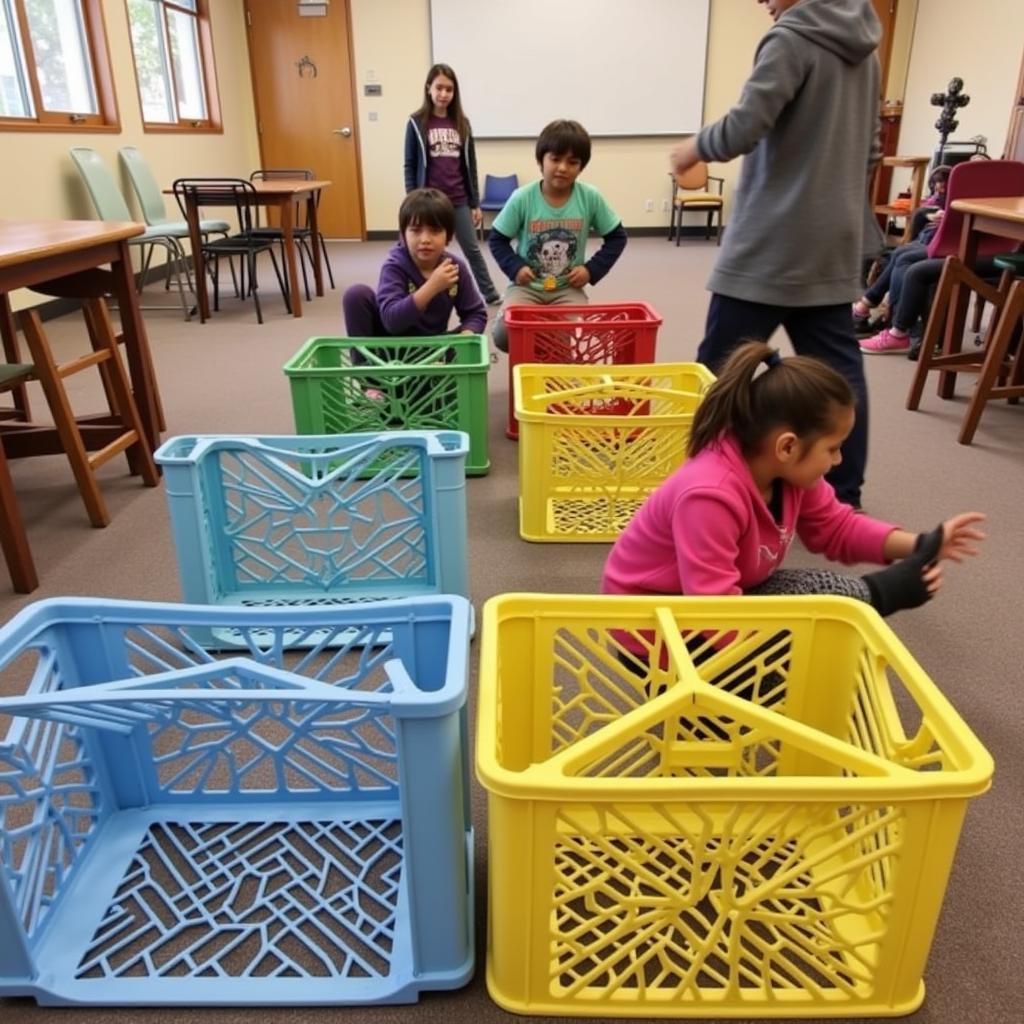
x,y
497,190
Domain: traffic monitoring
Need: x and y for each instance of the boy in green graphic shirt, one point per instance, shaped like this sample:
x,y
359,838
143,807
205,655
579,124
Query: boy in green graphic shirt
x,y
550,220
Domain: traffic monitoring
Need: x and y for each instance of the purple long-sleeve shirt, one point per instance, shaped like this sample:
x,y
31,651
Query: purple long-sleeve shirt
x,y
400,277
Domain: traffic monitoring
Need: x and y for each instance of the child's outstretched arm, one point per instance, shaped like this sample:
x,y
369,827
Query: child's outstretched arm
x,y
958,539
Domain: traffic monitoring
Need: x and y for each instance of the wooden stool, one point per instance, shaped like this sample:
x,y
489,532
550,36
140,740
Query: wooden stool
x,y
104,435
1000,374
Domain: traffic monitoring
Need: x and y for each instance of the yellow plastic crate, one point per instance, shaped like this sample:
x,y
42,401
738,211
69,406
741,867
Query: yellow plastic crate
x,y
760,824
594,441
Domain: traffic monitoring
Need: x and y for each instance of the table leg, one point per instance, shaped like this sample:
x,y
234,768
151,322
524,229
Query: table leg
x,y
314,243
136,348
287,208
956,316
13,540
198,262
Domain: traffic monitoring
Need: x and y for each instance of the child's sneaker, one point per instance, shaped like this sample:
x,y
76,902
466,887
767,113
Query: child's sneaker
x,y
886,343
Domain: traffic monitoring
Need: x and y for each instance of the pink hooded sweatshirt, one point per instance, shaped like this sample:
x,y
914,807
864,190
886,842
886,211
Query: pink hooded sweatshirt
x,y
708,531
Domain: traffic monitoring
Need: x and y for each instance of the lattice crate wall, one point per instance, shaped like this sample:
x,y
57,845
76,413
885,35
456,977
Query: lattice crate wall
x,y
597,440
403,384
317,519
728,807
272,828
621,333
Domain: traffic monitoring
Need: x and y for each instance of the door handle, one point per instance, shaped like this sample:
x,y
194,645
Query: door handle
x,y
346,131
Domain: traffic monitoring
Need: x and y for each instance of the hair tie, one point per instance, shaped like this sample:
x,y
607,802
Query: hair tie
x,y
773,358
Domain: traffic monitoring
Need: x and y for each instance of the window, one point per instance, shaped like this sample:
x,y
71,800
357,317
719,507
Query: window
x,y
54,66
174,64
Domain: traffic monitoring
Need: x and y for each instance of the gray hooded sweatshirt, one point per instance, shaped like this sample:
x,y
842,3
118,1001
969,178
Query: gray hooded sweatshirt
x,y
808,123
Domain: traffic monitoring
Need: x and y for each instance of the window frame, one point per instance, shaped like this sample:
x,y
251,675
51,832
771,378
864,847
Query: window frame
x,y
108,118
204,33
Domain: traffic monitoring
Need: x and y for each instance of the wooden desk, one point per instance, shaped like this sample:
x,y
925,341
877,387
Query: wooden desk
x,y
282,195
62,258
1002,216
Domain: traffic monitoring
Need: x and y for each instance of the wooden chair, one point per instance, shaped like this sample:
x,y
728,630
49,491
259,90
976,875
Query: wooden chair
x,y
1000,371
90,441
690,193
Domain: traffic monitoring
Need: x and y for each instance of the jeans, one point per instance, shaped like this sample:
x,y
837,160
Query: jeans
x,y
891,279
465,233
822,332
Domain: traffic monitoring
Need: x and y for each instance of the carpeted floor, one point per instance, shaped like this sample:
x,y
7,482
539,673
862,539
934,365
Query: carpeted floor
x,y
225,377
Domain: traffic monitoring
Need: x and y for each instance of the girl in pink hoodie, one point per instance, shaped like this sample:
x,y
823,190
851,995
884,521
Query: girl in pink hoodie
x,y
762,441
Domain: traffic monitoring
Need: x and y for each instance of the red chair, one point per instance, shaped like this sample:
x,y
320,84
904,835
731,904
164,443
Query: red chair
x,y
970,180
975,180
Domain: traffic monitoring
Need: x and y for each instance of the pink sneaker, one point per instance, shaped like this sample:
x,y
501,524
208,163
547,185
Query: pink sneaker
x,y
885,343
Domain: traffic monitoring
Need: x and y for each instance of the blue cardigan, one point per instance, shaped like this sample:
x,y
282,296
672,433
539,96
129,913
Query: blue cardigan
x,y
416,161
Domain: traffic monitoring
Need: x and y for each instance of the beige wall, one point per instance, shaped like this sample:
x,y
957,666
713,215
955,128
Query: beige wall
x,y
981,43
41,182
628,171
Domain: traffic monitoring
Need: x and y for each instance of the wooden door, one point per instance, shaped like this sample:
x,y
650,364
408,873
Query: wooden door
x,y
305,102
1014,149
886,11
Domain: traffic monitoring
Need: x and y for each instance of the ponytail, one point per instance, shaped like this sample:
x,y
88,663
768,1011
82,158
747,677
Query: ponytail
x,y
798,393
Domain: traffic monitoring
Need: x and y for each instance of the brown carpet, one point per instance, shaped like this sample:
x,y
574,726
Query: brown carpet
x,y
225,377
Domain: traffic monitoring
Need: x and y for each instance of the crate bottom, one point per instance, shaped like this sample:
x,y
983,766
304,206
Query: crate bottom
x,y
234,906
704,1010
580,517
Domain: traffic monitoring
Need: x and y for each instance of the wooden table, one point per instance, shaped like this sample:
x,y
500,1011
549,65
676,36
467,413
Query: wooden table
x,y
63,258
282,195
1002,216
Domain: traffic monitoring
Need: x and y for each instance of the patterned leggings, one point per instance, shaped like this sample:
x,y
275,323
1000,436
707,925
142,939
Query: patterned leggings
x,y
813,581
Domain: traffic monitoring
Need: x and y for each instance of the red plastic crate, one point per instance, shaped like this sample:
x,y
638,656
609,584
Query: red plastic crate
x,y
618,333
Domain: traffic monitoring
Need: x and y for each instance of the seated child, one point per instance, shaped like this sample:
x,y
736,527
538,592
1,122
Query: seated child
x,y
926,223
421,283
754,480
551,220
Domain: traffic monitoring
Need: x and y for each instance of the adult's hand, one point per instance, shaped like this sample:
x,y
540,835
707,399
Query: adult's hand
x,y
684,156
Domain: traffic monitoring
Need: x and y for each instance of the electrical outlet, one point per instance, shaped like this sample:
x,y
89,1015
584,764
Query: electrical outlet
x,y
649,206
664,206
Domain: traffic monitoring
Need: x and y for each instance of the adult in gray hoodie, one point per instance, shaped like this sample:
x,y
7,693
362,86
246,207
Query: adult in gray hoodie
x,y
807,122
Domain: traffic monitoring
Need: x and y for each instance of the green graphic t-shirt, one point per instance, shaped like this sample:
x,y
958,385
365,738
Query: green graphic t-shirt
x,y
553,239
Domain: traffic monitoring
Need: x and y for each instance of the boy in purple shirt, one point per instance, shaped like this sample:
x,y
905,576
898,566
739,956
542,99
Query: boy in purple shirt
x,y
420,283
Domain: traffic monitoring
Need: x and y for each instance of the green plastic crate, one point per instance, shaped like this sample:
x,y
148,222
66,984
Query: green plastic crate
x,y
404,384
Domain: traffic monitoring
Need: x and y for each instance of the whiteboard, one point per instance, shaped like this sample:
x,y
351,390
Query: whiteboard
x,y
619,67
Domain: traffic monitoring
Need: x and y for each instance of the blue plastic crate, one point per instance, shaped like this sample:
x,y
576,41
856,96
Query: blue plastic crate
x,y
318,519
278,827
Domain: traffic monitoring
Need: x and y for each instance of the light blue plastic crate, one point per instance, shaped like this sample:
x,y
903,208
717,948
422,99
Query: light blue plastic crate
x,y
273,828
321,519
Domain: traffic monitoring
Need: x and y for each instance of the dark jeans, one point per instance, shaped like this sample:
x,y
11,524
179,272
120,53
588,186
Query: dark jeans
x,y
918,282
822,332
891,279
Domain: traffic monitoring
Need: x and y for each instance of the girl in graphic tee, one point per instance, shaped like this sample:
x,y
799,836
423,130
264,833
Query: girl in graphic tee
x,y
439,153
